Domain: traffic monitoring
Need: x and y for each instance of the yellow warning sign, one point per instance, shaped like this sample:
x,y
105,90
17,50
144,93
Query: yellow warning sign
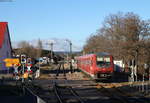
x,y
11,62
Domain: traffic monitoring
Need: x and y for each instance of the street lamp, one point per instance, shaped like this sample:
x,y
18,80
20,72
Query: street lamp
x,y
70,43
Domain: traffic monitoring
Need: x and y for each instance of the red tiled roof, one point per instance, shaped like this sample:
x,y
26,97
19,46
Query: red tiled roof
x,y
3,26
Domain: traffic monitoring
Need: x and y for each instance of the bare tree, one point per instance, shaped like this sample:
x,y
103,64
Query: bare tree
x,y
26,48
125,36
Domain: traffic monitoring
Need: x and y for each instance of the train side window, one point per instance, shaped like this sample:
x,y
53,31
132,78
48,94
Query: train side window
x,y
90,63
86,62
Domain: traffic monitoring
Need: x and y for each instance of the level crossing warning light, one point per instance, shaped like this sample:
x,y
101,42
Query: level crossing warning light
x,y
29,61
23,59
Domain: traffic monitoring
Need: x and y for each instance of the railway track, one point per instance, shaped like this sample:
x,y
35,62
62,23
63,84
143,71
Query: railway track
x,y
61,89
112,95
117,95
131,98
64,94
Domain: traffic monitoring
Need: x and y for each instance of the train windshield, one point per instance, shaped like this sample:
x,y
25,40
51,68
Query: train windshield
x,y
103,61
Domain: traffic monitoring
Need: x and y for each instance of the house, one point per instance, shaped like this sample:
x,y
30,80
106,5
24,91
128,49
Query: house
x,y
5,45
119,65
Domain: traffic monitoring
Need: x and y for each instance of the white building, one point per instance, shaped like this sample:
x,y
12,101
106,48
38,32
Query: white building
x,y
119,65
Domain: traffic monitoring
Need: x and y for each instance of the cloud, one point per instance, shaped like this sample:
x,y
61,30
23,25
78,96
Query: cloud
x,y
58,44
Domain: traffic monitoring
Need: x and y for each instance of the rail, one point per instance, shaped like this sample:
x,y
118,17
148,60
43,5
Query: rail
x,y
30,93
122,96
61,97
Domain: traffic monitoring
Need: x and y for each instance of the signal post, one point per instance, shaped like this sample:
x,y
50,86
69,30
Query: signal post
x,y
23,62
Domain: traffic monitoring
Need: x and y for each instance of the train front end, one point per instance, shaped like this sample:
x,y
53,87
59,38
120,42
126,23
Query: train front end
x,y
104,67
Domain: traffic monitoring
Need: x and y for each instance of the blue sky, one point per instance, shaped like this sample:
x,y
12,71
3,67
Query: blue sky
x,y
72,19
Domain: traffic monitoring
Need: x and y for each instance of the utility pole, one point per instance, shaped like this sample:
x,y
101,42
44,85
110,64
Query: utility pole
x,y
51,50
51,44
70,43
23,62
71,56
136,62
70,49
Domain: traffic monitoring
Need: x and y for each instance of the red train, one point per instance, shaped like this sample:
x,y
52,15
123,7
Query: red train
x,y
98,66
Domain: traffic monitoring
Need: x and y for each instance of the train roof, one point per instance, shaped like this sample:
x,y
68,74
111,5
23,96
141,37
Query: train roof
x,y
98,54
103,54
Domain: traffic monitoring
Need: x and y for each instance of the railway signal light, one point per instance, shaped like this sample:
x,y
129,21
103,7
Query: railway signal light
x,y
23,59
29,61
